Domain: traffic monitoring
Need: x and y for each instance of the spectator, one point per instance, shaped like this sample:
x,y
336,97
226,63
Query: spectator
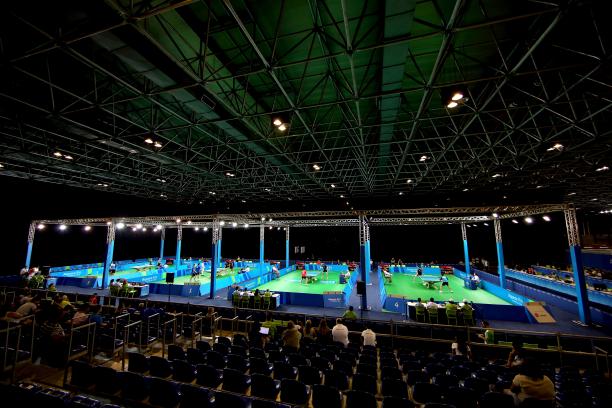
x,y
350,314
52,288
96,317
488,336
291,337
309,331
431,303
369,337
256,339
64,302
81,316
28,308
93,300
340,333
210,313
460,348
517,355
532,383
420,302
323,332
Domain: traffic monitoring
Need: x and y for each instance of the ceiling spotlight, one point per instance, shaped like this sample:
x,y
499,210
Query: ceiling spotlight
x,y
163,195
263,218
108,223
157,144
246,225
159,226
57,154
282,127
486,224
401,193
603,168
452,104
148,140
495,215
269,219
546,218
496,175
278,228
234,224
515,222
1,166
228,174
138,226
277,122
243,201
189,222
316,167
529,220
571,194
134,229
556,146
423,158
465,189
63,227
197,228
333,186
120,225
41,226
212,193
161,180
221,223
178,220
267,189
347,203
205,229
594,199
270,227
475,225
68,157
456,96
409,181
341,195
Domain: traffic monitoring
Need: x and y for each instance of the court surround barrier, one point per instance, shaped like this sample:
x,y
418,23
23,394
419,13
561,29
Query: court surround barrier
x,y
563,302
595,296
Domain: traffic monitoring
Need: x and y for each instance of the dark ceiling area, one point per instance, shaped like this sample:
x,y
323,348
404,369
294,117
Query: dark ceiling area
x,y
175,101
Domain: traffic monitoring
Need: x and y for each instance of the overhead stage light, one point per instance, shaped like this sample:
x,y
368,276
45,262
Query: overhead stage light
x,y
108,222
270,227
138,226
87,228
546,218
205,229
144,229
120,225
452,104
267,189
148,140
159,226
234,224
571,194
341,195
316,167
529,220
57,154
68,157
457,96
401,193
282,127
221,223
515,222
333,186
157,144
485,224
41,226
178,220
556,146
134,229
263,218
409,181
246,225
189,222
197,228
495,215
63,227
603,168
277,122
423,158
269,219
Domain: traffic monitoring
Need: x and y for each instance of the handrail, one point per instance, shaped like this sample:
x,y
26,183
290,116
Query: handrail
x,y
164,331
146,321
126,336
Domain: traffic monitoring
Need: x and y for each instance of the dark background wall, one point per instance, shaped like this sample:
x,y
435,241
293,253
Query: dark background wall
x,y
23,201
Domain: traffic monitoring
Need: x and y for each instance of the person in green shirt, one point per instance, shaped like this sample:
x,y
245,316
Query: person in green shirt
x,y
350,314
487,336
451,305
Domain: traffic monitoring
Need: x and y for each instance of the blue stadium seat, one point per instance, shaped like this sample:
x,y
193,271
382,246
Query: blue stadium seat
x,y
193,396
163,393
134,386
336,379
183,371
360,399
235,381
324,396
294,392
264,387
365,383
160,367
208,376
138,363
425,392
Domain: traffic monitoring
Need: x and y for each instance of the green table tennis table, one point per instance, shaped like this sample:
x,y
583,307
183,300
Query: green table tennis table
x,y
312,276
430,281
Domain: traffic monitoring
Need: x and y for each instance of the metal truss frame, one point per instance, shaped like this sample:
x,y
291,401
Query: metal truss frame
x,y
205,79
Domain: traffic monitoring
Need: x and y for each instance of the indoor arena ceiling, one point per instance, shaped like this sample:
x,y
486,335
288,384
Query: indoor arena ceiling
x,y
176,100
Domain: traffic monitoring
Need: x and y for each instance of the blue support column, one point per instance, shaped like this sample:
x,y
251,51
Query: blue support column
x,y
219,257
364,236
213,258
582,297
466,253
261,249
368,258
179,241
501,268
161,245
287,247
31,233
110,249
